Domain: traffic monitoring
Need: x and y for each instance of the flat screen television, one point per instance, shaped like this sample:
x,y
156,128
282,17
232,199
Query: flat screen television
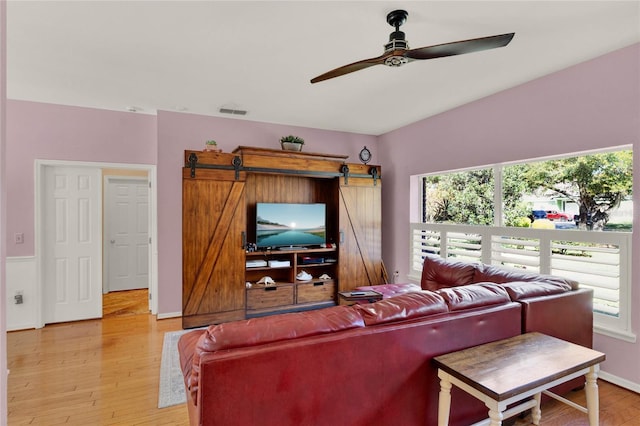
x,y
292,225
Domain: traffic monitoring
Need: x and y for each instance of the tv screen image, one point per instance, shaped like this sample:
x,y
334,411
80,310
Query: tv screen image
x,y
290,224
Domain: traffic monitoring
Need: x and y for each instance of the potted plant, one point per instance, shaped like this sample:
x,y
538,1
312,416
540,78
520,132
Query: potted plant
x,y
212,145
291,143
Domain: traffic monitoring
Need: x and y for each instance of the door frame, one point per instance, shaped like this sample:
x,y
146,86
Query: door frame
x,y
40,166
106,181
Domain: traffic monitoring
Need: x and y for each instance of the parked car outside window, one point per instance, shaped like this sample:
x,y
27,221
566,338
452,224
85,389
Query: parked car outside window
x,y
556,215
538,214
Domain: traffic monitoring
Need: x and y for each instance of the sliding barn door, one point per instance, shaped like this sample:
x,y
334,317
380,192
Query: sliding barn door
x,y
360,233
213,226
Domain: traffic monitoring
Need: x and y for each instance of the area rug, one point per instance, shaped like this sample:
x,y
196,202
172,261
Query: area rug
x,y
171,380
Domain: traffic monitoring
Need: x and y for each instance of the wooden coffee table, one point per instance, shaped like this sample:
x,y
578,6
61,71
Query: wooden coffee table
x,y
515,370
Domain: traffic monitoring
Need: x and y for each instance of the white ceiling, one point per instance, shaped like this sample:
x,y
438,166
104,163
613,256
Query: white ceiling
x,y
259,56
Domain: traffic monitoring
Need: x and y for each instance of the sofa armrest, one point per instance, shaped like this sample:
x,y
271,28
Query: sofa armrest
x,y
186,350
567,316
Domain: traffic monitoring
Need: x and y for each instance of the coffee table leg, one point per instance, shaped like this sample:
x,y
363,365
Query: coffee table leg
x,y
536,414
444,399
495,415
591,389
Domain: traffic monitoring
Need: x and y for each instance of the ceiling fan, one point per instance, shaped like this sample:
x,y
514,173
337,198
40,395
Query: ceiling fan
x,y
397,52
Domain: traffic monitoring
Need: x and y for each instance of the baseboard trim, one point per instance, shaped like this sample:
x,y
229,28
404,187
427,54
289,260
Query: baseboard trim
x,y
169,315
20,327
619,381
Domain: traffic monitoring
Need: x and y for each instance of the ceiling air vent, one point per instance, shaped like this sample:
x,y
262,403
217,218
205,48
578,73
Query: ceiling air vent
x,y
233,111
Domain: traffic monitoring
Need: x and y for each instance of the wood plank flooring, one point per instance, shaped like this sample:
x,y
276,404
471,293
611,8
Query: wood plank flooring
x,y
130,302
97,372
618,407
106,372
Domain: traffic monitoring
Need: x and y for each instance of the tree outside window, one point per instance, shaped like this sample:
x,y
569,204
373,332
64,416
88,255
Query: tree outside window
x,y
586,188
597,184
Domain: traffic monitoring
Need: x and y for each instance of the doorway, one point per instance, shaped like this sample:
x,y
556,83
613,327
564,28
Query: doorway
x,y
126,233
48,291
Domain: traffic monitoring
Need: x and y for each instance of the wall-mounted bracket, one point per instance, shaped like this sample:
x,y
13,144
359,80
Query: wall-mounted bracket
x,y
193,159
345,171
237,164
374,173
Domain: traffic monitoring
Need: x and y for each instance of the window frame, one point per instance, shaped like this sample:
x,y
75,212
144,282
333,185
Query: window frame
x,y
617,327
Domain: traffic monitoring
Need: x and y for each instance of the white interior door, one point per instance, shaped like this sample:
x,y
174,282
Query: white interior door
x,y
126,234
72,260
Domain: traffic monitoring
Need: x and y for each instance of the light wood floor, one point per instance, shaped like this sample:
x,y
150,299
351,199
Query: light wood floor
x,y
96,372
618,407
130,302
106,372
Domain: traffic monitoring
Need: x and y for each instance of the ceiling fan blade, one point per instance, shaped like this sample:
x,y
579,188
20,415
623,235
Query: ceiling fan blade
x,y
346,69
459,47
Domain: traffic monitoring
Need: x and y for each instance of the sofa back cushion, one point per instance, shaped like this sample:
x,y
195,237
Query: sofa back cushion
x,y
495,274
474,296
519,290
258,331
403,307
274,328
439,273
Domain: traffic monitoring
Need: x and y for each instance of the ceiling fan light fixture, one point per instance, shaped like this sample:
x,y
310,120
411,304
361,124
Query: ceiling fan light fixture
x,y
395,61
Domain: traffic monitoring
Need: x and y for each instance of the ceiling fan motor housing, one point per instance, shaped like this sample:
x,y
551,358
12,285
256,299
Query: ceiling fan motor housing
x,y
397,39
396,42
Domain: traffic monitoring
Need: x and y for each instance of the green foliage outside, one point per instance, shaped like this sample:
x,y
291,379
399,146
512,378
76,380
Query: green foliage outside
x,y
516,211
463,197
597,183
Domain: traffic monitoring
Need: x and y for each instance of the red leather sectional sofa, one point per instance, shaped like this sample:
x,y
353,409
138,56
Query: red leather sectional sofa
x,y
369,364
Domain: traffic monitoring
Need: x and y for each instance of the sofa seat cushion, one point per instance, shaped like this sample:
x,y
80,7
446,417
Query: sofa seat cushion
x,y
391,290
474,296
495,274
402,307
440,273
519,290
274,328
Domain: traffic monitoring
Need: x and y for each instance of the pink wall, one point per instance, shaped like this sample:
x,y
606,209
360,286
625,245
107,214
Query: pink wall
x,y
55,132
3,213
179,131
589,106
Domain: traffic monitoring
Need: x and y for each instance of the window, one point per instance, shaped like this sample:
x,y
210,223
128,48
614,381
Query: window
x,y
541,216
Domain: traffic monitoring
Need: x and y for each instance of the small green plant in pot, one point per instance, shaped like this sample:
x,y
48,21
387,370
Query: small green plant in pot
x,y
291,143
212,145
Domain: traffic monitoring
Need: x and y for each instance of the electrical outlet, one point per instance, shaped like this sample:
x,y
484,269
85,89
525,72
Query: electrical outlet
x,y
19,238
